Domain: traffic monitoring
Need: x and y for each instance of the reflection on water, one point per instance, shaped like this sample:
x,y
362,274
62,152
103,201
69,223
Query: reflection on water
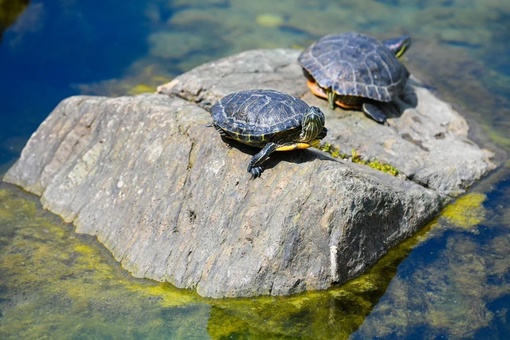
x,y
451,280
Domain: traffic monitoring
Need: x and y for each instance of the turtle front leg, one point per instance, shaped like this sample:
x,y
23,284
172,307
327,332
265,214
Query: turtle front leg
x,y
255,166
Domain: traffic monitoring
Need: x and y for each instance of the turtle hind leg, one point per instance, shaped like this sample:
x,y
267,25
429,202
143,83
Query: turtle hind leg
x,y
375,112
224,136
255,166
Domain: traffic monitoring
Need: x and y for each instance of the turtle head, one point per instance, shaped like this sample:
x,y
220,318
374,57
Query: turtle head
x,y
399,45
312,124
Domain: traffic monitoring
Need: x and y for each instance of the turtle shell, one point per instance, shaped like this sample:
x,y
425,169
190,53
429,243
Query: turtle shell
x,y
355,64
254,117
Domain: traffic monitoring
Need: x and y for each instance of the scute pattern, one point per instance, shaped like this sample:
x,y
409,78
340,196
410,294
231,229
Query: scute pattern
x,y
258,113
355,64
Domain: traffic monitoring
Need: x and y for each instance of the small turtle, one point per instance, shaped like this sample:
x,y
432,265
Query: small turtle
x,y
271,120
356,71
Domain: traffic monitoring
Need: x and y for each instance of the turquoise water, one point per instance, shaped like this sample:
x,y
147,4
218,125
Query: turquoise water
x,y
451,281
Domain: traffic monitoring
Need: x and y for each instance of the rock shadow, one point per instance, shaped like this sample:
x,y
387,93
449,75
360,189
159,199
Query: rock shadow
x,y
294,156
406,100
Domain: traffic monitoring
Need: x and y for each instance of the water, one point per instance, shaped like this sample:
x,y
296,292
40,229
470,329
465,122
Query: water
x,y
450,281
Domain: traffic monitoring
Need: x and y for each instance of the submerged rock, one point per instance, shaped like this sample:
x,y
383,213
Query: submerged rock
x,y
159,188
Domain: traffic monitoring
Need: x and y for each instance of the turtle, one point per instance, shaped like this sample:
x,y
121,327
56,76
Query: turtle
x,y
268,119
356,71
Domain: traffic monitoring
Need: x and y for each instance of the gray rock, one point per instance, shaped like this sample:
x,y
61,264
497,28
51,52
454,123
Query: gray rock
x,y
428,142
173,202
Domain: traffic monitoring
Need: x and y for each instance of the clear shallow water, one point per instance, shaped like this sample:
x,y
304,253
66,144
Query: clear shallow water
x,y
450,281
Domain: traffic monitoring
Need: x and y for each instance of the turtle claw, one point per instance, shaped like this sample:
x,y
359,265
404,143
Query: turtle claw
x,y
255,166
255,171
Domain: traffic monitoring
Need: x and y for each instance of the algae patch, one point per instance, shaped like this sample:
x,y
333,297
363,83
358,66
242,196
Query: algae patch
x,y
467,211
60,284
355,157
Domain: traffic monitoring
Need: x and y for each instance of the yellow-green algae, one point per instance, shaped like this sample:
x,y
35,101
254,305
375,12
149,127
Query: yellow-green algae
x,y
450,294
355,157
142,88
60,284
467,211
106,312
332,314
440,55
56,283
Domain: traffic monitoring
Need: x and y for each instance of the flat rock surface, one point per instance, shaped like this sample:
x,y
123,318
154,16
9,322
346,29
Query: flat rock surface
x,y
160,189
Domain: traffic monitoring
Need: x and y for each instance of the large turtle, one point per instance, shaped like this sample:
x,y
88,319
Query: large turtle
x,y
269,119
356,71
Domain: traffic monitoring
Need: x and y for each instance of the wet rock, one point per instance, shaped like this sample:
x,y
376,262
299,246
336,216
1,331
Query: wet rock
x,y
173,202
